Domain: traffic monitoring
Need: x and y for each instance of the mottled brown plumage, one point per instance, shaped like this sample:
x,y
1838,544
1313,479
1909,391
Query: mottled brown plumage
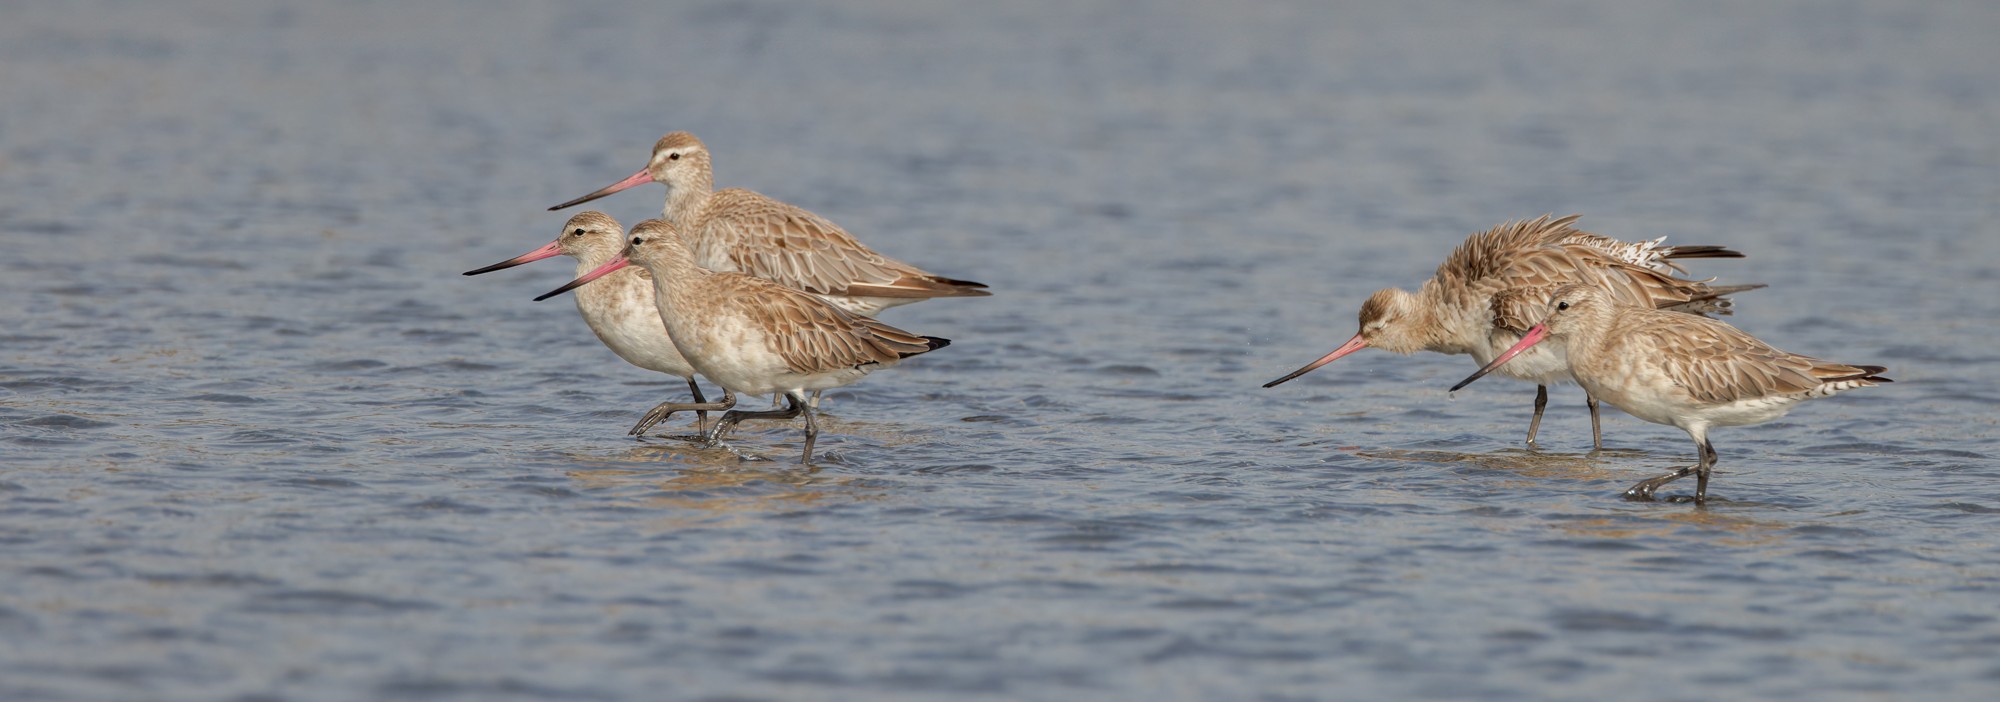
x,y
1520,262
619,308
743,231
1682,370
1493,286
811,335
740,230
752,336
1714,362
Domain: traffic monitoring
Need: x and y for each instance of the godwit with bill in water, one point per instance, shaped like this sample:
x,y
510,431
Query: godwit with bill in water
x,y
736,230
1677,369
752,336
1475,304
619,309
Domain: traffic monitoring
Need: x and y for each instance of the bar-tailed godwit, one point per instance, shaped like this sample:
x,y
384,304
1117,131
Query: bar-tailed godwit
x,y
752,336
1490,287
742,231
619,310
1678,369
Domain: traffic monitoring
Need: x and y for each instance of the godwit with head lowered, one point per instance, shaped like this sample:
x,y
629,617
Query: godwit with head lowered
x,y
1686,371
1476,302
619,310
742,231
753,336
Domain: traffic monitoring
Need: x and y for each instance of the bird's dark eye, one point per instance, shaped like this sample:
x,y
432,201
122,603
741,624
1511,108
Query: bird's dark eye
x,y
1560,306
673,157
637,240
578,232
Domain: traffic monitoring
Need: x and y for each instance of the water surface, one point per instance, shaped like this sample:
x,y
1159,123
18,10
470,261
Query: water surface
x,y
259,441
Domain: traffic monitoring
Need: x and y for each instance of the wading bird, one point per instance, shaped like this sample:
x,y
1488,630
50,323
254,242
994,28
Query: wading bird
x,y
742,231
1480,298
752,336
619,309
1677,369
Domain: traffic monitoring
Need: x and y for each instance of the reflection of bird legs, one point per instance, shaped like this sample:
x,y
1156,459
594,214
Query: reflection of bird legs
x,y
795,406
700,406
1645,489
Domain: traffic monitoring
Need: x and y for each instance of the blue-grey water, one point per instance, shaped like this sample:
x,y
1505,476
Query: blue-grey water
x,y
260,441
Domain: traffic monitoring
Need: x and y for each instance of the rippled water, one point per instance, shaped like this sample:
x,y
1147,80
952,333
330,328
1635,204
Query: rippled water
x,y
259,441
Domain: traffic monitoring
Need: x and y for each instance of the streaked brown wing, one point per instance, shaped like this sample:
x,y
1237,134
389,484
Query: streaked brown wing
x,y
814,337
1516,265
1491,253
796,248
1716,362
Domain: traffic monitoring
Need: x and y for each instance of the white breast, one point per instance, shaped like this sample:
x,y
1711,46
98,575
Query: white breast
x,y
623,315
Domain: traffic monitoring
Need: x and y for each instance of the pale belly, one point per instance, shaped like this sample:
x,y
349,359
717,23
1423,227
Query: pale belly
x,y
738,357
648,349
1643,392
629,324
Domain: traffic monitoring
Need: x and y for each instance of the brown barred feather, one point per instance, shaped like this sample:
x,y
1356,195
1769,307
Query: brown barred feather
x,y
1719,363
814,337
794,247
1516,265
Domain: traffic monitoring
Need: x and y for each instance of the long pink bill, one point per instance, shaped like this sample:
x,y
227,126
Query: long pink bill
x,y
604,270
1355,344
1534,336
530,257
640,178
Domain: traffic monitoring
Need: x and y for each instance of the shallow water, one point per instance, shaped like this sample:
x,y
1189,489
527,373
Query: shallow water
x,y
259,440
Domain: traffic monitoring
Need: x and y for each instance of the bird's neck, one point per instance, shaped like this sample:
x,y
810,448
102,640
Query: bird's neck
x,y
1441,325
589,260
687,201
674,271
1588,340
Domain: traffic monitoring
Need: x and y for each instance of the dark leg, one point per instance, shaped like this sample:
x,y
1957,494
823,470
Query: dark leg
x,y
667,409
731,418
1702,471
700,416
1644,490
1541,403
1596,433
812,426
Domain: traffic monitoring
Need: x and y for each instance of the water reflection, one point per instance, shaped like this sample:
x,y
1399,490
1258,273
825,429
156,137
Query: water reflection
x,y
690,483
275,413
1668,519
1535,471
1533,468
